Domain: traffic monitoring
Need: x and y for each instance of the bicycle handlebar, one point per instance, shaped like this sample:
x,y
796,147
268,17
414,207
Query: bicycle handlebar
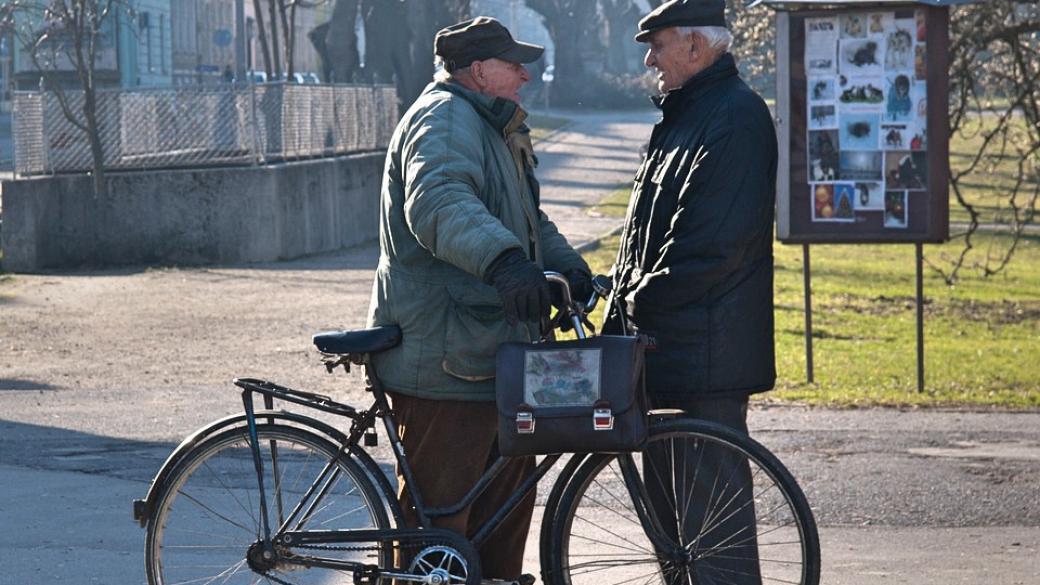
x,y
576,311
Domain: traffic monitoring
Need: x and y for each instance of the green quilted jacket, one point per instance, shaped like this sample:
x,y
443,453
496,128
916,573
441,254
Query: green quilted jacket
x,y
458,190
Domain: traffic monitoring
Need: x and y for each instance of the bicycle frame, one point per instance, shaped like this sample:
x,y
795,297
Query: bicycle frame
x,y
362,422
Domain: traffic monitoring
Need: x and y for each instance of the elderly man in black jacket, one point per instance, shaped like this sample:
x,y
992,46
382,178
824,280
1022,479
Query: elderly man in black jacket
x,y
695,268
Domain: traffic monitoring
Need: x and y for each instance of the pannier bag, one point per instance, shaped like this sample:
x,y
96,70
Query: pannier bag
x,y
580,396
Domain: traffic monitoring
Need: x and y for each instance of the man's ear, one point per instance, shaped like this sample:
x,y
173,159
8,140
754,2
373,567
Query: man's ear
x,y
476,72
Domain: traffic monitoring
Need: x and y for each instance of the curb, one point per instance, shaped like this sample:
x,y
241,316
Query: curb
x,y
595,243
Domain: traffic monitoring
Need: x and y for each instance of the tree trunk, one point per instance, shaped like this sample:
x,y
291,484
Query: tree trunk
x,y
340,40
567,22
291,53
265,50
275,52
621,17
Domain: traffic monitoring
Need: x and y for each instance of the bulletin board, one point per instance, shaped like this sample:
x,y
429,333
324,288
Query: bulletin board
x,y
862,112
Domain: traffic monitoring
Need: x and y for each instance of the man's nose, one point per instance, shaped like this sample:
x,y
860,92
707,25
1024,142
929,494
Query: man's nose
x,y
525,75
648,59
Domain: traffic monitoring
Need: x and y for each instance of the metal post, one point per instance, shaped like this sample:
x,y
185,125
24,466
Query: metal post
x,y
919,253
241,37
807,275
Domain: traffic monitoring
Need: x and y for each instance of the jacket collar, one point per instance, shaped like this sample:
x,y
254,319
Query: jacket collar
x,y
723,68
506,116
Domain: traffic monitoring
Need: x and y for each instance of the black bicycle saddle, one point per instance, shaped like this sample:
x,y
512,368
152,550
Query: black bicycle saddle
x,y
370,340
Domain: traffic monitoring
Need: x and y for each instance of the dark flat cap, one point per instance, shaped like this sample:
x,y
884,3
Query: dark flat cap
x,y
682,13
478,39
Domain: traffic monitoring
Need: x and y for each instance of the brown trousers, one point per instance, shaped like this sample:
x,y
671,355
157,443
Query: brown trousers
x,y
449,444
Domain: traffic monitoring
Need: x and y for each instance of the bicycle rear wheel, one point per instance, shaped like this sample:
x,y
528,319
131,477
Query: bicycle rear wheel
x,y
721,509
206,520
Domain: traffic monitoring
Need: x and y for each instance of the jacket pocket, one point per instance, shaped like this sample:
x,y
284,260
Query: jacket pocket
x,y
474,328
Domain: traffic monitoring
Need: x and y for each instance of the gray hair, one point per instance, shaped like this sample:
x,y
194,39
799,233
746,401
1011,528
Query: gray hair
x,y
441,73
718,37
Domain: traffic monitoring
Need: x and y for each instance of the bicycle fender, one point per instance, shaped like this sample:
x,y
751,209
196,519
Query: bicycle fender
x,y
142,508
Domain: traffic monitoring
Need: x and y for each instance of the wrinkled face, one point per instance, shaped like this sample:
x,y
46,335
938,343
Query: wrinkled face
x,y
673,56
498,78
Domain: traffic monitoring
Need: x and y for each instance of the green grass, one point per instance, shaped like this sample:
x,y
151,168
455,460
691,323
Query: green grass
x,y
987,186
615,204
982,337
543,125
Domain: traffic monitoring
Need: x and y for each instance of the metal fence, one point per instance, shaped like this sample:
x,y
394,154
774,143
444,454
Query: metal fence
x,y
202,126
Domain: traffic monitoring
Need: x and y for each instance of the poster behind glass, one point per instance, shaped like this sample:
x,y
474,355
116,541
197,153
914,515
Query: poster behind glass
x,y
866,116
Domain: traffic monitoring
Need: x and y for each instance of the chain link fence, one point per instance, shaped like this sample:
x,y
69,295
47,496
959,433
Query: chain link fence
x,y
202,126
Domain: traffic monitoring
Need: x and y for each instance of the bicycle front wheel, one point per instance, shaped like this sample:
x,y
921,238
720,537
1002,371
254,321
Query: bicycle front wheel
x,y
699,504
205,527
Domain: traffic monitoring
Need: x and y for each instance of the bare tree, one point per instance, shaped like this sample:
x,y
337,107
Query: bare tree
x,y
995,103
568,22
67,36
265,49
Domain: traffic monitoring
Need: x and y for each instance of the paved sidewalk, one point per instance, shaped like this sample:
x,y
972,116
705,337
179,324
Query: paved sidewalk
x,y
586,160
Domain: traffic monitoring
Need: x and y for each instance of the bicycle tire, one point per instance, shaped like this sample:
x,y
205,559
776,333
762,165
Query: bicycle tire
x,y
599,539
206,515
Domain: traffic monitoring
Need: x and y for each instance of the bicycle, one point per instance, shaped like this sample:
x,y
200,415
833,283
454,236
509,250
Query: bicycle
x,y
275,496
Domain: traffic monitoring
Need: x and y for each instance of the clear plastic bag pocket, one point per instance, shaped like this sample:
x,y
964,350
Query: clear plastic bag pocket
x,y
562,377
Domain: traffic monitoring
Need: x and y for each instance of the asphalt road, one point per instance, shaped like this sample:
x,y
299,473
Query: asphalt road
x,y
102,373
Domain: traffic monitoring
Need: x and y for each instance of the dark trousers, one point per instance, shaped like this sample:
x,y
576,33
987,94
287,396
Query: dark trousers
x,y
704,497
449,445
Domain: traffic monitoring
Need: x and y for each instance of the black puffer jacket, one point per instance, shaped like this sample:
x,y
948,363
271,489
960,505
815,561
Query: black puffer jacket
x,y
695,268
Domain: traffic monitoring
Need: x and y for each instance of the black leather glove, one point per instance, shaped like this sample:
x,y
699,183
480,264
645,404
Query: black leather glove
x,y
521,285
581,285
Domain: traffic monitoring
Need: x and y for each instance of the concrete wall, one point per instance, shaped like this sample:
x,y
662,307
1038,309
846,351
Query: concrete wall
x,y
227,215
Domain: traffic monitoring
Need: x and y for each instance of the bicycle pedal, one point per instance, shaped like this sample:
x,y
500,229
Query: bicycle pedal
x,y
525,579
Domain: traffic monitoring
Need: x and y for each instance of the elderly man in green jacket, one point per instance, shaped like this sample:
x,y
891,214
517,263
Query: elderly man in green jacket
x,y
463,244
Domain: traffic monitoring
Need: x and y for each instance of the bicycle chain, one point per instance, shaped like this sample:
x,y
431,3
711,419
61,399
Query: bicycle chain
x,y
279,581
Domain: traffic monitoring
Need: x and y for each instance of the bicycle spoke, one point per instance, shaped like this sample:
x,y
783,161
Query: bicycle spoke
x,y
694,481
605,543
248,510
611,533
214,513
616,499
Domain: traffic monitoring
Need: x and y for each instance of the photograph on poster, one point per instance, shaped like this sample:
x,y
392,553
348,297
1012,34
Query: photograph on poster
x,y
860,165
899,47
920,65
861,92
895,209
844,202
861,56
822,89
853,26
870,196
822,202
878,23
919,94
859,130
921,30
822,116
895,136
821,41
900,104
823,155
919,140
905,170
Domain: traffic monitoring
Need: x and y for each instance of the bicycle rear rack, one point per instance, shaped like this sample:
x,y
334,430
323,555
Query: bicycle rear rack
x,y
309,399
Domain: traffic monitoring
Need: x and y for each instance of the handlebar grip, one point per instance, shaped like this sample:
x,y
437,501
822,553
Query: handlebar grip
x,y
602,285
